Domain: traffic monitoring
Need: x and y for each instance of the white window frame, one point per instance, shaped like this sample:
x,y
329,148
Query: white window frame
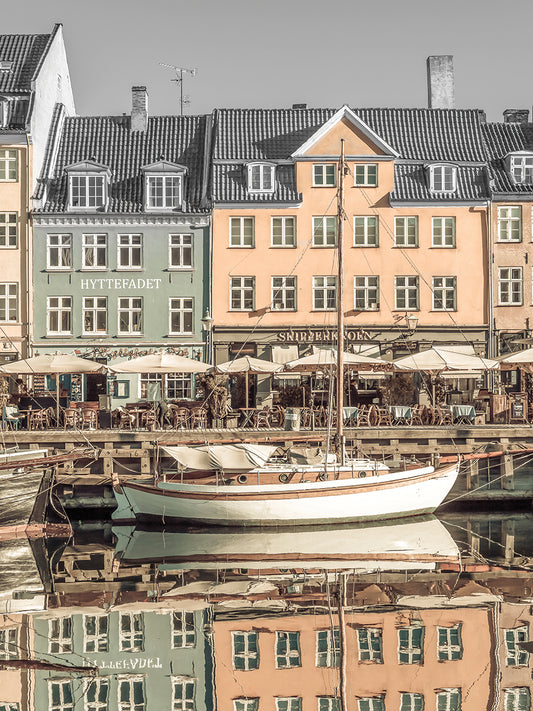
x,y
9,643
130,245
250,703
62,685
407,286
440,230
132,639
95,685
242,287
448,651
517,698
522,168
285,240
99,641
145,380
9,301
366,290
365,637
283,293
371,703
4,111
323,288
88,186
133,306
261,177
510,223
288,703
180,252
369,225
249,657
365,175
130,680
322,175
182,308
238,239
448,700
96,246
94,310
510,286
9,165
411,654
328,703
322,234
9,230
291,657
330,657
515,657
443,178
448,286
410,701
178,386
406,231
59,249
183,629
183,702
60,635
62,309
164,191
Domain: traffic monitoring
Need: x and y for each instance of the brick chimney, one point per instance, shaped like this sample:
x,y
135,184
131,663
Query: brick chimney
x,y
139,108
516,116
441,85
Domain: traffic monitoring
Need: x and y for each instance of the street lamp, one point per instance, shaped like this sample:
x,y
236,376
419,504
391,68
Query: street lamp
x,y
207,323
412,322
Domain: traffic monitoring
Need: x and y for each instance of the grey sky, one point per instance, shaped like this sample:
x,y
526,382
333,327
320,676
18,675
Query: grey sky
x,y
277,52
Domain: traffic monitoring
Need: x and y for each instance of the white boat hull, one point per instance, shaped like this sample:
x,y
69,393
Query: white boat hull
x,y
382,496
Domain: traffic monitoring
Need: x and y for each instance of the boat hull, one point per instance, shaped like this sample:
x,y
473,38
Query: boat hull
x,y
385,496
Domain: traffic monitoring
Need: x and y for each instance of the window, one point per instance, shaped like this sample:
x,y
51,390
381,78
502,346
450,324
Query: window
x,y
178,386
517,699
406,231
94,251
522,169
245,650
288,650
9,643
130,315
9,706
411,702
181,316
183,693
515,656
8,301
284,232
283,293
95,628
324,231
510,224
8,229
260,178
163,192
129,252
60,635
366,175
94,315
289,703
180,252
449,700
370,644
365,232
443,232
131,635
87,191
324,175
60,696
406,292
328,648
242,293
324,293
96,694
183,630
241,232
449,645
246,704
329,703
131,696
444,293
510,291
59,316
371,703
8,164
443,178
366,293
151,386
410,645
4,110
59,252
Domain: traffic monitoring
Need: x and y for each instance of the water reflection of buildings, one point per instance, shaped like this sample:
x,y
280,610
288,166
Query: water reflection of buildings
x,y
166,633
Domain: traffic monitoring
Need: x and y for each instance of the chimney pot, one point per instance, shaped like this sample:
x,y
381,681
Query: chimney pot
x,y
516,116
299,106
139,108
441,86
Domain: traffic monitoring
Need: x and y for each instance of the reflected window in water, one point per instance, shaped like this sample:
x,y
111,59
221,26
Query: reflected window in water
x,y
449,641
131,632
410,645
370,644
131,693
411,702
328,648
9,643
245,650
329,703
97,695
61,698
449,700
60,635
245,704
183,632
183,693
291,703
374,703
288,650
96,633
517,699
514,655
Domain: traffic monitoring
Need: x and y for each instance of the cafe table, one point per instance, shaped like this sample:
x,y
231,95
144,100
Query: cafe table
x,y
400,414
248,414
463,414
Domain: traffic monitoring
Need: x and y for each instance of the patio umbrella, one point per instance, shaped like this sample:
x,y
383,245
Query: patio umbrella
x,y
327,357
518,357
439,359
160,363
246,365
53,364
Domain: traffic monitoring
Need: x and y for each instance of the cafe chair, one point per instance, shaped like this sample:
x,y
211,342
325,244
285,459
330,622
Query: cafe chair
x,y
277,416
262,418
149,419
11,416
199,418
71,418
125,419
418,415
385,417
180,417
40,419
443,415
88,418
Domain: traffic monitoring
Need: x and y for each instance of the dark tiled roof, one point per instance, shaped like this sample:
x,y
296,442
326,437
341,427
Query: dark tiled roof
x,y
26,52
17,112
230,184
501,139
410,183
109,141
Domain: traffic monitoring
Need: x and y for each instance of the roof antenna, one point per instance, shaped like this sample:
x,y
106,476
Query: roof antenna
x,y
180,71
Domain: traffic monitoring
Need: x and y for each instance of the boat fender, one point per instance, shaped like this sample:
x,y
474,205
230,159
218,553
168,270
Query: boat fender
x,y
242,478
362,474
283,478
323,476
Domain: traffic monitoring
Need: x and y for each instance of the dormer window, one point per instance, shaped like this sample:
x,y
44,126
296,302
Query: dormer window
x,y
443,178
88,186
6,65
260,178
4,107
522,168
163,186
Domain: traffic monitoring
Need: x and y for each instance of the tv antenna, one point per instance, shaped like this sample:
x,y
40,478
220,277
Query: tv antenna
x,y
180,71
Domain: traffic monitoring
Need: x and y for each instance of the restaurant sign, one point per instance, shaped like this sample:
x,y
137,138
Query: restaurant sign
x,y
124,283
321,335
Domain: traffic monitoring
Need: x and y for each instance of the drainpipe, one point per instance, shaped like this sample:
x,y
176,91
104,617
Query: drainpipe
x,y
28,270
491,343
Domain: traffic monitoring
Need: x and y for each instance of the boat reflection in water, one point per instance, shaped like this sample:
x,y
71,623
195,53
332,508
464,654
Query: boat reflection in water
x,y
369,618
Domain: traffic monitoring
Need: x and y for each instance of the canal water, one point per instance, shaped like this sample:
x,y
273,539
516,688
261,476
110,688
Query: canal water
x,y
431,613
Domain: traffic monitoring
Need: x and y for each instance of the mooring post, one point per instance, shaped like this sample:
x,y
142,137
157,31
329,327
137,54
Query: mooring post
x,y
507,472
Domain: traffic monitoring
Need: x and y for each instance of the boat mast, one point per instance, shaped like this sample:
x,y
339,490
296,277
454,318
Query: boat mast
x,y
340,308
